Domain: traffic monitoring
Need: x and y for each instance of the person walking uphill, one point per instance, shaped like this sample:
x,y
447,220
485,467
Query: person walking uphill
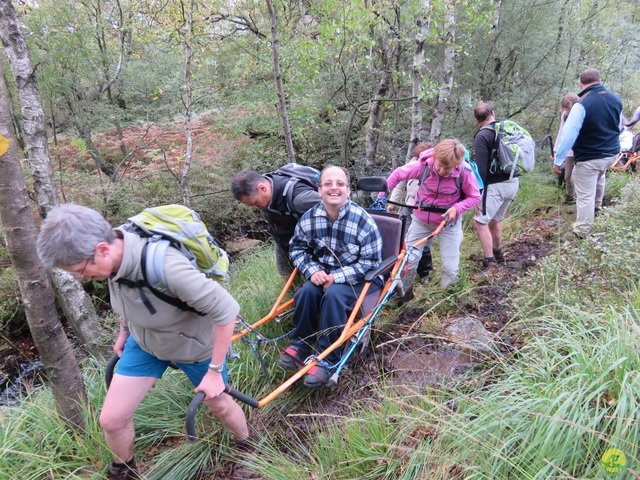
x,y
500,189
593,129
448,190
408,189
336,243
79,240
565,105
269,193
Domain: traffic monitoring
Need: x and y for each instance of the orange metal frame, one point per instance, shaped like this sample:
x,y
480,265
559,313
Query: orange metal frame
x,y
633,158
353,325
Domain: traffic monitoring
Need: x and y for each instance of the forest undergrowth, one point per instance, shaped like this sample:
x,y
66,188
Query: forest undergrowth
x,y
553,402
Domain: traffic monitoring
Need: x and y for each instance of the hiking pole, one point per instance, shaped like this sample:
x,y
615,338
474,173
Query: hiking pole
x,y
190,420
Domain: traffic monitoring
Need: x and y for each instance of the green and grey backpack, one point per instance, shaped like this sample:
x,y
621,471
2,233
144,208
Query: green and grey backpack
x,y
179,227
513,147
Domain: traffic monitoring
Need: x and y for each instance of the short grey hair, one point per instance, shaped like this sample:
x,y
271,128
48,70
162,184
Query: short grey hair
x,y
70,234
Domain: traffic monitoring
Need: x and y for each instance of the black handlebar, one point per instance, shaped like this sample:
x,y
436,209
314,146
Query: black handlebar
x,y
108,373
190,420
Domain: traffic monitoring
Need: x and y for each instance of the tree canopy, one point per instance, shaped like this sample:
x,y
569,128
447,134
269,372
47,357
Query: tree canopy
x,y
105,63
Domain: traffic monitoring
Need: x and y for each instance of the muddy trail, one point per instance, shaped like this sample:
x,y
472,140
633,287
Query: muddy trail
x,y
406,356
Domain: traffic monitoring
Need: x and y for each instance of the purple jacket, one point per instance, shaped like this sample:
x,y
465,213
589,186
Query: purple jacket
x,y
436,190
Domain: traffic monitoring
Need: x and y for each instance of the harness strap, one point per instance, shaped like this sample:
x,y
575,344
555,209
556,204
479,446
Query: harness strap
x,y
433,208
287,193
140,284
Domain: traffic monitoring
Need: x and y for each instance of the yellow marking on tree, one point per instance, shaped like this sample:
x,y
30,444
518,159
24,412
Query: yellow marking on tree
x,y
4,144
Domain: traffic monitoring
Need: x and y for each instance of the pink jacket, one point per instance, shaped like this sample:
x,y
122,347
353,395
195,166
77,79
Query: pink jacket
x,y
438,191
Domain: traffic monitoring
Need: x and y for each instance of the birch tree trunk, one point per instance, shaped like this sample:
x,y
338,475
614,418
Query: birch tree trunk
x,y
417,78
20,232
490,85
279,84
75,303
444,93
375,121
188,50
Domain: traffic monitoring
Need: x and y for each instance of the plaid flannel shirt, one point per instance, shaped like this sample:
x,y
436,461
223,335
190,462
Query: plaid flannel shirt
x,y
348,248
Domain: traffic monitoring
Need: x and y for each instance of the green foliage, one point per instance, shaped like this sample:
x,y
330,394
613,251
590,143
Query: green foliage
x,y
602,269
557,414
35,443
332,56
80,144
537,192
12,317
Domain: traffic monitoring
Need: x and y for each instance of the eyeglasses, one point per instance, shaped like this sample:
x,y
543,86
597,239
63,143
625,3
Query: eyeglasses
x,y
338,184
80,274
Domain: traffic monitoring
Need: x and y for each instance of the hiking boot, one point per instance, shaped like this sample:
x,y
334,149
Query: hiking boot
x,y
244,446
498,254
570,236
318,376
292,358
424,279
241,449
406,298
488,268
124,471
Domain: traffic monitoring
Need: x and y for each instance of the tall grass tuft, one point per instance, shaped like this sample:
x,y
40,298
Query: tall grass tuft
x,y
551,410
554,417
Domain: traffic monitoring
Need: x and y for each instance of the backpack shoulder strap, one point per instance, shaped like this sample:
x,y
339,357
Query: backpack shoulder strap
x,y
152,262
152,259
459,177
492,126
287,193
425,173
426,170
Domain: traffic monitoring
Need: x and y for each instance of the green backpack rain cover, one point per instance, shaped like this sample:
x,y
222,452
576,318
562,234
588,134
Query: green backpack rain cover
x,y
179,227
514,147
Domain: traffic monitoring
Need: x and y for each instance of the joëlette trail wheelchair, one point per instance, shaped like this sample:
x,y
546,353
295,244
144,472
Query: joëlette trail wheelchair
x,y
356,330
627,159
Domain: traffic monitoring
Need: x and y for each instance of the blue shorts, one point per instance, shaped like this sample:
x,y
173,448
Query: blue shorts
x,y
135,362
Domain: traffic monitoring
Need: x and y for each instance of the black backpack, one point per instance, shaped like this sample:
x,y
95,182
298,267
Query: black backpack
x,y
296,173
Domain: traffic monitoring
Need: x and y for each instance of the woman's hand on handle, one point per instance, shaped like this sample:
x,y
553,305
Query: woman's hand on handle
x,y
450,215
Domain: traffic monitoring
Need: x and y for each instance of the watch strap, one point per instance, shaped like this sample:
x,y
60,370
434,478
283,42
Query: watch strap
x,y
216,368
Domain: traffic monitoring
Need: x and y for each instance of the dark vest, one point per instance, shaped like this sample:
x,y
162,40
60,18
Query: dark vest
x,y
599,136
282,222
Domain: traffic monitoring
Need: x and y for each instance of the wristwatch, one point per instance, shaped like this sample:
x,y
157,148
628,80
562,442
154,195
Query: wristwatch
x,y
216,368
